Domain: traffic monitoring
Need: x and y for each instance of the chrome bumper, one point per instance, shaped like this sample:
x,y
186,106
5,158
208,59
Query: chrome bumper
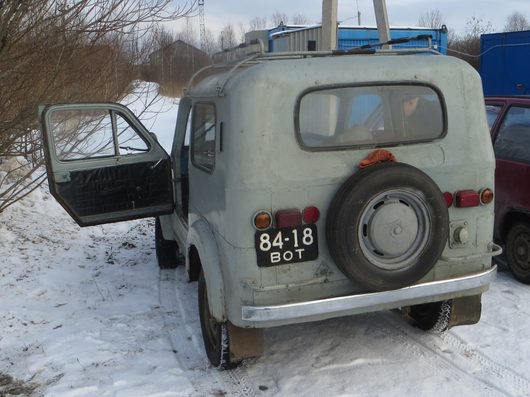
x,y
362,303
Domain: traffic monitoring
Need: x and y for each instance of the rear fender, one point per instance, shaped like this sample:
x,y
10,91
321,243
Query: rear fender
x,y
201,236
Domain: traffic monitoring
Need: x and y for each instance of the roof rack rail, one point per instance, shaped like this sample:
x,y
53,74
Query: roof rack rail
x,y
239,51
233,58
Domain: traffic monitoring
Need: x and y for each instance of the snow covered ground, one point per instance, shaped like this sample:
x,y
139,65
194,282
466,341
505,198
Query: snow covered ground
x,y
87,312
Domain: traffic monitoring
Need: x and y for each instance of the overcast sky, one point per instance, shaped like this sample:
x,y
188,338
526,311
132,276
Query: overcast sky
x,y
455,13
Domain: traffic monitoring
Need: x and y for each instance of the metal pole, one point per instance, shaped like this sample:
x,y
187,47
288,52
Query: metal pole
x,y
381,17
202,25
329,25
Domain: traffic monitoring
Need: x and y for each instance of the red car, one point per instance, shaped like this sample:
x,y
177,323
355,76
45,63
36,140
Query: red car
x,y
509,121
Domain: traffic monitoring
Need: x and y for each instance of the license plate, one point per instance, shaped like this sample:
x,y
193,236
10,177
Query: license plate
x,y
287,245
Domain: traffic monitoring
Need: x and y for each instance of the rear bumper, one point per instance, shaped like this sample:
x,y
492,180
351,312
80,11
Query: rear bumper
x,y
263,316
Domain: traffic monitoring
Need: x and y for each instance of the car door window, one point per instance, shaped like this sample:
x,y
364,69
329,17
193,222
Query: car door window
x,y
492,113
513,140
84,134
80,134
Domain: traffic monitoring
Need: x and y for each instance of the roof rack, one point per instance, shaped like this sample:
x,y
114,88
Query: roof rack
x,y
247,54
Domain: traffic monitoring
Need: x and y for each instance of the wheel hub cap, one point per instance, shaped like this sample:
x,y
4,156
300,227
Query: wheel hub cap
x,y
394,228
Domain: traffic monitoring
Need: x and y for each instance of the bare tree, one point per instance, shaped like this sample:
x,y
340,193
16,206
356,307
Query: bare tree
x,y
467,47
174,61
68,51
300,19
227,37
431,19
279,18
476,26
258,23
242,31
516,22
189,35
210,45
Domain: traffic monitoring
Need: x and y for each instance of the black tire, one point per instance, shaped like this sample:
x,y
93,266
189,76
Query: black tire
x,y
363,213
432,317
518,251
167,251
214,334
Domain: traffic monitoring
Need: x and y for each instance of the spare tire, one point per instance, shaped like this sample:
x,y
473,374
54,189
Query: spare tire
x,y
387,226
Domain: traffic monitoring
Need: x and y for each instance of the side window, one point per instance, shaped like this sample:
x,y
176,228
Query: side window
x,y
513,139
84,134
203,136
492,112
185,150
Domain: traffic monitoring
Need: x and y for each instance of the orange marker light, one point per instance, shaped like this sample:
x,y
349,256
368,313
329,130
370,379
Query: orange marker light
x,y
262,220
486,196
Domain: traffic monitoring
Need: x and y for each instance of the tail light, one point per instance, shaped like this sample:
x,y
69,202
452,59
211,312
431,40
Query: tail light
x,y
262,220
311,215
288,218
448,197
467,198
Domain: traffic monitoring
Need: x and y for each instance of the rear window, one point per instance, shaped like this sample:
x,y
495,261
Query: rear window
x,y
369,115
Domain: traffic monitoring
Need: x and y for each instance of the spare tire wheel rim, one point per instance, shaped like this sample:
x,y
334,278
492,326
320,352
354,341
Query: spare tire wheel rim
x,y
394,228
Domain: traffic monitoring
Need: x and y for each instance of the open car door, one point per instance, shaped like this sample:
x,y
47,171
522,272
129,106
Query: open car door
x,y
103,165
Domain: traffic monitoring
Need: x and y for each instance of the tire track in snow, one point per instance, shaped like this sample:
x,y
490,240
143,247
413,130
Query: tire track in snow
x,y
186,341
489,367
499,379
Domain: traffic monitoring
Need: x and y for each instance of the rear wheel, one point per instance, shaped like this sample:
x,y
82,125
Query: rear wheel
x,y
518,251
167,251
432,317
214,333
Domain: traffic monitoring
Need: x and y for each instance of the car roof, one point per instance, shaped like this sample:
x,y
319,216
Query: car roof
x,y
324,68
508,99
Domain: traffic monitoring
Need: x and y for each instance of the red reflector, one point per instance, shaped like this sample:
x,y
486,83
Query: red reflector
x,y
467,198
311,215
448,197
288,218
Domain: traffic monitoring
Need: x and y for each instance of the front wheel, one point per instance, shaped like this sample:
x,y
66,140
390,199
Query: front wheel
x,y
214,333
518,251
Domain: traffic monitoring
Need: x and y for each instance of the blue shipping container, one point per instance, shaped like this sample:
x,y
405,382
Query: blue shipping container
x,y
504,63
352,36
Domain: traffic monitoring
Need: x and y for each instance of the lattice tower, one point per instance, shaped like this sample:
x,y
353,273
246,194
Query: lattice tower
x,y
202,25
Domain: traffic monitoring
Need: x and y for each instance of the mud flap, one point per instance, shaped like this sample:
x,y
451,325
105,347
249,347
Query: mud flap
x,y
245,342
466,310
